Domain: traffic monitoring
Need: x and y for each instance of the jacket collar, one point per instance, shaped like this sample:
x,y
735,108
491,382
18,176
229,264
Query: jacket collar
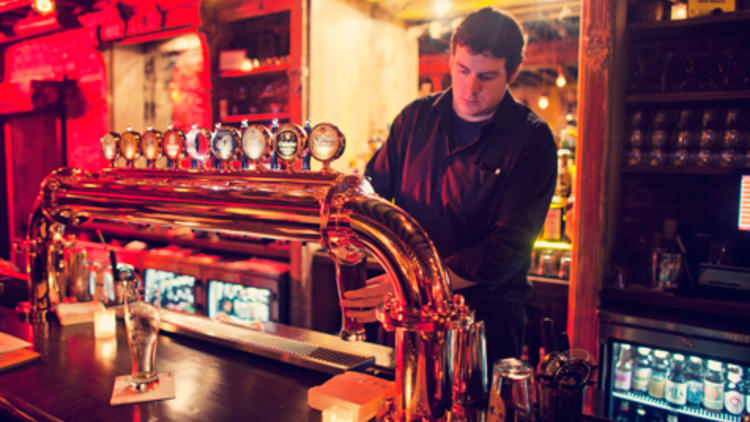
x,y
508,114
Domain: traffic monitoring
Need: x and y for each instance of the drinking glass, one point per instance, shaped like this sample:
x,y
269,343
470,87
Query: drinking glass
x,y
142,316
350,277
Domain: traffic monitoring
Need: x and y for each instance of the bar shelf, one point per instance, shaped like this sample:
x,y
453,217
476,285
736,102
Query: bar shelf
x,y
723,23
684,410
704,171
680,97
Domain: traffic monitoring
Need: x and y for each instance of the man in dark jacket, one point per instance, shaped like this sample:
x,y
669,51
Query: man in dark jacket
x,y
477,170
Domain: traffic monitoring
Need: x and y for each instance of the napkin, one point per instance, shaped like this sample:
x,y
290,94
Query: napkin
x,y
123,394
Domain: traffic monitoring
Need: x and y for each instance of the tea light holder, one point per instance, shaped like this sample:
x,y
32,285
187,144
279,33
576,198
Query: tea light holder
x,y
337,414
105,323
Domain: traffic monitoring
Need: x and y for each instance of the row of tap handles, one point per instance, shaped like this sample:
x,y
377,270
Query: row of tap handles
x,y
253,146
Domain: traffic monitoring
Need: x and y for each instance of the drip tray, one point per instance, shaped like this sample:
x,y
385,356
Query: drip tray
x,y
301,347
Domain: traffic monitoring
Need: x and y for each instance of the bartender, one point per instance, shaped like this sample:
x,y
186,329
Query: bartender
x,y
477,169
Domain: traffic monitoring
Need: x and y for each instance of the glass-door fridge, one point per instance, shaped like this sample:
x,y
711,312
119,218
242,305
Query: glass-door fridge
x,y
664,371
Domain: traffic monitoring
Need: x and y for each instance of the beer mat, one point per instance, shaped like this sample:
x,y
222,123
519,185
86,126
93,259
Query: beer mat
x,y
14,358
9,343
122,394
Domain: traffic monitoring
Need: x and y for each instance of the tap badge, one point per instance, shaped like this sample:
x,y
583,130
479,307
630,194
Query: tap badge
x,y
224,143
151,142
197,143
110,143
326,142
289,141
256,142
130,145
174,144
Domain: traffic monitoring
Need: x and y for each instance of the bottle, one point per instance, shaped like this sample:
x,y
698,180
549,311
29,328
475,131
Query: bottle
x,y
564,185
642,370
676,389
658,381
569,134
640,414
713,387
623,413
657,416
694,377
745,390
566,179
734,402
554,224
623,369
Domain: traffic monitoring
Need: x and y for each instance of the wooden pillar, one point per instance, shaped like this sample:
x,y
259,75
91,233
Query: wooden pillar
x,y
590,251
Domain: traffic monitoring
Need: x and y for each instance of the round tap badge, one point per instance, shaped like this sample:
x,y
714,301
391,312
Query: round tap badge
x,y
256,142
110,144
197,143
289,142
224,143
151,144
130,145
174,144
326,142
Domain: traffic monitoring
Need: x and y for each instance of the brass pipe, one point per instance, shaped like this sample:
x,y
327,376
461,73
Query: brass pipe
x,y
339,211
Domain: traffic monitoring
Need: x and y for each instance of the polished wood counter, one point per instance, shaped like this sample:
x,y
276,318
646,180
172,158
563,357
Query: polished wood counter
x,y
73,380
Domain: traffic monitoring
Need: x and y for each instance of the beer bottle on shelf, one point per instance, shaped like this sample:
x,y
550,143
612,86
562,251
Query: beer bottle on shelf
x,y
640,414
642,370
657,416
733,399
694,377
676,389
623,413
658,381
713,387
623,369
745,391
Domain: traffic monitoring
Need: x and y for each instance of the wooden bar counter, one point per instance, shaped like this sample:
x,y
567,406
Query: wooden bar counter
x,y
73,380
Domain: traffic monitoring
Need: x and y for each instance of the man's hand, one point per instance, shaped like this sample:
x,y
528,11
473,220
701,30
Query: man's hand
x,y
360,304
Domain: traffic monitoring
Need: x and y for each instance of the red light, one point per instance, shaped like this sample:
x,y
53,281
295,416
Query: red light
x,y
43,7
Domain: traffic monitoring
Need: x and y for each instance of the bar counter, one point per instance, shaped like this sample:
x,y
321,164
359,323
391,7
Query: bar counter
x,y
73,380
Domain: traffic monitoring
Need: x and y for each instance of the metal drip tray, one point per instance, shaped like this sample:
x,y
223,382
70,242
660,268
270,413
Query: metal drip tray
x,y
274,341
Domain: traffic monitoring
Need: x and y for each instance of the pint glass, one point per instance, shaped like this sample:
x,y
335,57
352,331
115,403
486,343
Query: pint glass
x,y
350,277
142,317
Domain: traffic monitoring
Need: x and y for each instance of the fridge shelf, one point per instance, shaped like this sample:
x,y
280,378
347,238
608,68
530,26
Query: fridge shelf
x,y
685,410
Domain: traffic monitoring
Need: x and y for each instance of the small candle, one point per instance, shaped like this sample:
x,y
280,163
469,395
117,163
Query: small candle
x,y
104,323
337,414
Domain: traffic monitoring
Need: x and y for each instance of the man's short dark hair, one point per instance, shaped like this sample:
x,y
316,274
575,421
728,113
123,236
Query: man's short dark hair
x,y
489,30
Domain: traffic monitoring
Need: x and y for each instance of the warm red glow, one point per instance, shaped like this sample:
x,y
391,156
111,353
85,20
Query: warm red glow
x,y
43,7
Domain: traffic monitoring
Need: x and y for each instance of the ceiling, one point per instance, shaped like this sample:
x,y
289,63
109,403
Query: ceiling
x,y
523,10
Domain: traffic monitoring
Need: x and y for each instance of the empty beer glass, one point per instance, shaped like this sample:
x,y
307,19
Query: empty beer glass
x,y
142,317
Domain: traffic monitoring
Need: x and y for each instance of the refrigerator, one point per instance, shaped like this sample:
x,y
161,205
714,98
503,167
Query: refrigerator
x,y
657,369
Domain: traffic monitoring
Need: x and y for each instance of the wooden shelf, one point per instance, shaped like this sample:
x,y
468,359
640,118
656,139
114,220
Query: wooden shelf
x,y
705,171
688,96
238,118
262,70
546,280
716,25
655,300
